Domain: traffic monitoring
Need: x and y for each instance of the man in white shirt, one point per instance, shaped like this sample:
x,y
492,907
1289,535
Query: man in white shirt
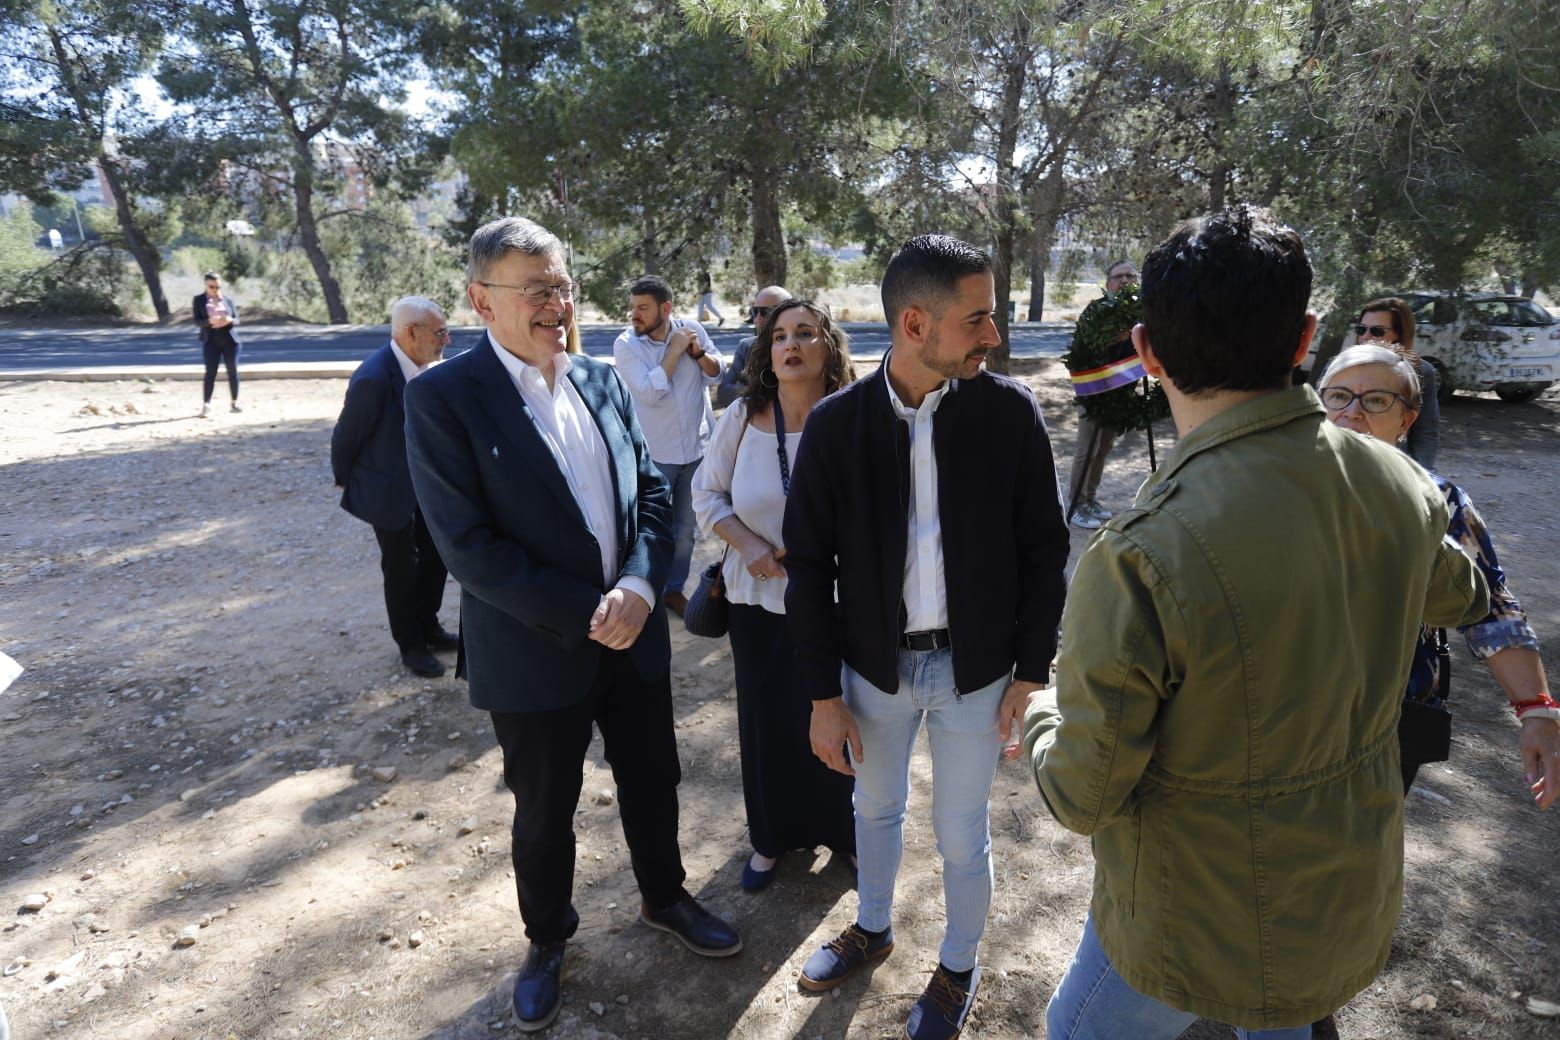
x,y
545,504
368,460
926,494
669,365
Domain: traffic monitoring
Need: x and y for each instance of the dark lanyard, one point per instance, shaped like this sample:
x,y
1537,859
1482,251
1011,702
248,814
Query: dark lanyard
x,y
785,462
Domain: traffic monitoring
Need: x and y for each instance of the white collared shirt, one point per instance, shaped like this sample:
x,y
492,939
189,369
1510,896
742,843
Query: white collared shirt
x,y
575,441
674,413
409,368
925,591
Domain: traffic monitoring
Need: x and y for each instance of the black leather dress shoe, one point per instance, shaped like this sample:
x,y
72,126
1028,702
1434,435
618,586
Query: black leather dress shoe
x,y
441,641
700,931
538,992
422,662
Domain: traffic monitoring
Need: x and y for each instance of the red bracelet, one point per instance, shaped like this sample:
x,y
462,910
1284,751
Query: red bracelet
x,y
1543,706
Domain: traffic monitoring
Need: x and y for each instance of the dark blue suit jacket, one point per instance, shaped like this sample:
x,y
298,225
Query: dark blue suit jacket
x,y
509,530
368,445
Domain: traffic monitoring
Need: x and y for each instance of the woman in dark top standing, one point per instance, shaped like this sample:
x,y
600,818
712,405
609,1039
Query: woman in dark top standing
x,y
216,317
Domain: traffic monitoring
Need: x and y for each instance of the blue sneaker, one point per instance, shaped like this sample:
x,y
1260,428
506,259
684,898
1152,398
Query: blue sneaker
x,y
942,1009
538,995
842,955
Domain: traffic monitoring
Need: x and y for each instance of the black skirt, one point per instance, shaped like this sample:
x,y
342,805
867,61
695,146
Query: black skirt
x,y
793,800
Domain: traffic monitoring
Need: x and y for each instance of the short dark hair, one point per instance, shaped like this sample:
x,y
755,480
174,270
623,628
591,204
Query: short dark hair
x,y
1224,301
838,371
211,276
651,285
925,271
1402,317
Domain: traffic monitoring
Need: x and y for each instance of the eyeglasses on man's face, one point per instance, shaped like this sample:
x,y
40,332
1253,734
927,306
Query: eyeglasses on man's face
x,y
761,312
1373,331
539,292
1338,398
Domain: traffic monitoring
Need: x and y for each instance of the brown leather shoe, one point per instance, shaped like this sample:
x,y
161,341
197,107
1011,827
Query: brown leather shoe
x,y
676,602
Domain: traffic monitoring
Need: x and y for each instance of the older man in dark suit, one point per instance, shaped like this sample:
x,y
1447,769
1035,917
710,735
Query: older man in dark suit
x,y
368,459
534,477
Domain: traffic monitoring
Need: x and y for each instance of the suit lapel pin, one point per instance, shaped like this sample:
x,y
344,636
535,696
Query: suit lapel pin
x,y
495,451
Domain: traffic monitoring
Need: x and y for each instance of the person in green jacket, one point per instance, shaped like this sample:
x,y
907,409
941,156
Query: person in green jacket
x,y
1233,654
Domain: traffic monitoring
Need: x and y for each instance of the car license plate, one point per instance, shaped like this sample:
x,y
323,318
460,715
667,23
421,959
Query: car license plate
x,y
1527,373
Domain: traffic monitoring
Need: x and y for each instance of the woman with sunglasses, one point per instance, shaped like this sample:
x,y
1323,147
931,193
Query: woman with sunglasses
x,y
1375,391
1389,322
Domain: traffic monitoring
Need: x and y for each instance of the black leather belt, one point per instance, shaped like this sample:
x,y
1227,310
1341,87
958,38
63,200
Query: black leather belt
x,y
924,641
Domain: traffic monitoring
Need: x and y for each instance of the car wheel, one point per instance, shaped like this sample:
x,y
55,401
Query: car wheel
x,y
1517,394
1443,386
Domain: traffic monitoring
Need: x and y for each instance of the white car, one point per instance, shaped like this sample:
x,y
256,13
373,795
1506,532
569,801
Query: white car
x,y
1487,341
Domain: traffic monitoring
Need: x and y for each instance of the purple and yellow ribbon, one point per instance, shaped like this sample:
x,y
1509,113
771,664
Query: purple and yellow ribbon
x,y
1108,377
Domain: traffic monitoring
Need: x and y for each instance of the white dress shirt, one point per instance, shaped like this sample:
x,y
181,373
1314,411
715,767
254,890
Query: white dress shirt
x,y
926,594
575,441
674,413
409,368
740,477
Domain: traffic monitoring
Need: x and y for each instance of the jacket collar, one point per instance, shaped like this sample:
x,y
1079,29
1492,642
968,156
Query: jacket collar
x,y
1248,417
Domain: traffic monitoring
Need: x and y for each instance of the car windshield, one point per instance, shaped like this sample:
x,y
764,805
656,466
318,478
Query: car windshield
x,y
1510,312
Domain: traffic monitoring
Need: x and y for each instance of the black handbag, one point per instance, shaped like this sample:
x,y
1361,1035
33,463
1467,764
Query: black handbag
x,y
1425,729
708,612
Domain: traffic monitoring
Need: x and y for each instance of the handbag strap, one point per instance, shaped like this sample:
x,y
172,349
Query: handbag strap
x,y
1443,654
785,460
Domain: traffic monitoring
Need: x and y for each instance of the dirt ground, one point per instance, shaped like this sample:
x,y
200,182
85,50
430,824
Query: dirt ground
x,y
200,752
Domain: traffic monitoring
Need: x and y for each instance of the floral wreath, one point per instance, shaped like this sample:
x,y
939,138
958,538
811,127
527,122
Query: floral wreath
x,y
1097,345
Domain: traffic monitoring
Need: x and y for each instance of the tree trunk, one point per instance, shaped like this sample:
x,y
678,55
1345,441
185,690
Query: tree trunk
x,y
1222,115
649,245
309,234
1014,76
145,254
1045,215
769,260
146,257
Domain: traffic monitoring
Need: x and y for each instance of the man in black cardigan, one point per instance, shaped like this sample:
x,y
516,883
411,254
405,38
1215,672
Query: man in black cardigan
x,y
927,493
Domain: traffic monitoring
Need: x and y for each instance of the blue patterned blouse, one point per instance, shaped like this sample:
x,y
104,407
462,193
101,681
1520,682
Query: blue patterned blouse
x,y
1506,626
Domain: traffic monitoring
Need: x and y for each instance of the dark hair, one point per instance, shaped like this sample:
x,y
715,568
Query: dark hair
x,y
926,271
1224,301
651,285
1402,318
211,276
837,371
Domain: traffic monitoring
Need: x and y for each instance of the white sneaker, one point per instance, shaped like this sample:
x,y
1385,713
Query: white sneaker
x,y
205,410
1086,520
1094,509
236,408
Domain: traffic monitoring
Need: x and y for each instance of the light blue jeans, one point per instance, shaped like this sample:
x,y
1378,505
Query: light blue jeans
x,y
1095,1003
684,526
965,749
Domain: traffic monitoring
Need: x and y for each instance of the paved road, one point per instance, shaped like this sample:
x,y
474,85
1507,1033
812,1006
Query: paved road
x,y
29,350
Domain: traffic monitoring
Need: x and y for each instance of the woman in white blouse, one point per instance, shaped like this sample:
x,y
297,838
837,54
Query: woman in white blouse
x,y
793,800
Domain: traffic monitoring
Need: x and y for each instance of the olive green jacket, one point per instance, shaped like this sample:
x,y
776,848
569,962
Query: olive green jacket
x,y
1224,723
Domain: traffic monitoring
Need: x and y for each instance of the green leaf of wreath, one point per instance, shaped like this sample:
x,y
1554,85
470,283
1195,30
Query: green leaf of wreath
x,y
1096,342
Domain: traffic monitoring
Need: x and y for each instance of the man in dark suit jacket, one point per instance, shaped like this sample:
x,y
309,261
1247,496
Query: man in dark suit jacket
x,y
368,459
216,316
534,477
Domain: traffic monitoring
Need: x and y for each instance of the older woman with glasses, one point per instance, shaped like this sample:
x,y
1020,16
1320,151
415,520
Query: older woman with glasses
x,y
793,800
1375,391
1389,322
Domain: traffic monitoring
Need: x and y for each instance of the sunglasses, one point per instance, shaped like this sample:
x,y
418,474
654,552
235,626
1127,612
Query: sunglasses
x,y
761,312
1373,331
